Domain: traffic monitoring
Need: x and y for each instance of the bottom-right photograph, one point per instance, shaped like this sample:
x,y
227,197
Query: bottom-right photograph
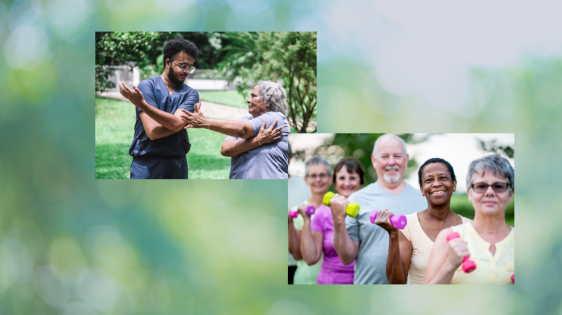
x,y
401,208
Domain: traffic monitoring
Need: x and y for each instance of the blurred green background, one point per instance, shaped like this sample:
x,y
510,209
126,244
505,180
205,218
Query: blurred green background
x,y
70,244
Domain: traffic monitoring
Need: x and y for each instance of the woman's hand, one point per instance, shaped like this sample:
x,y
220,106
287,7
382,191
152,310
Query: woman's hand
x,y
383,220
302,211
134,95
195,119
267,135
338,204
289,215
458,250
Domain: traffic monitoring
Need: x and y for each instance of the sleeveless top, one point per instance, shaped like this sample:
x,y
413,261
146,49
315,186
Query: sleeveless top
x,y
496,269
421,248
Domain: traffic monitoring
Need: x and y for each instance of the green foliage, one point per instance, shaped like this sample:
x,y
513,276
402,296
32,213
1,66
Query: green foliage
x,y
289,57
144,49
123,48
494,147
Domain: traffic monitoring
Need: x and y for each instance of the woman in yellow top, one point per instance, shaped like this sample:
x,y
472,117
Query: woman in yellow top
x,y
409,250
488,239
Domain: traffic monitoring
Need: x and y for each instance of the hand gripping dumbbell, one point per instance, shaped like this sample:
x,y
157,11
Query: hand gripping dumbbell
x,y
513,278
398,221
467,264
351,210
309,210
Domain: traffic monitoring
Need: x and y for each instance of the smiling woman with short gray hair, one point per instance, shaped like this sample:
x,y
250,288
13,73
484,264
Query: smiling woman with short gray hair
x,y
488,241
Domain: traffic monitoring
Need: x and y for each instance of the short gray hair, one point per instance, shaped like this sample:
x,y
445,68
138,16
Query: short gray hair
x,y
390,134
315,160
274,95
495,163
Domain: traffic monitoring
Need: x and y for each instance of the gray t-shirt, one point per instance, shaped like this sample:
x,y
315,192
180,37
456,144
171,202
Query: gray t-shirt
x,y
370,265
268,161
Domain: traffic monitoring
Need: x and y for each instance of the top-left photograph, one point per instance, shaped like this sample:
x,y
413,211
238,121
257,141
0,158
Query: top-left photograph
x,y
201,105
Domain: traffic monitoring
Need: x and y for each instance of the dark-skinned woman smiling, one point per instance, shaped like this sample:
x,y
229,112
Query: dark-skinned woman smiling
x,y
409,249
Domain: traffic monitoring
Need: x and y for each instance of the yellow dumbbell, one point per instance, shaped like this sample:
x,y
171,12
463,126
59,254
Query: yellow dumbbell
x,y
351,210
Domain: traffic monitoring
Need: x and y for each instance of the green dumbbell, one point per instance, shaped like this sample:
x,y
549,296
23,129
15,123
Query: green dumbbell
x,y
352,209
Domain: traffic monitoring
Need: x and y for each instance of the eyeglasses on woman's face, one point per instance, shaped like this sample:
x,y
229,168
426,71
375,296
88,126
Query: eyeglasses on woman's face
x,y
498,187
322,176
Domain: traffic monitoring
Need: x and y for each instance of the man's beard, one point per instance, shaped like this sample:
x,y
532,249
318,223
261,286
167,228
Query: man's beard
x,y
172,76
391,179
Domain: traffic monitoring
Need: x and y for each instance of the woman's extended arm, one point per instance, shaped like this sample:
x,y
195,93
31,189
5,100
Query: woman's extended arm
x,y
232,148
399,250
399,257
311,241
238,129
445,258
294,240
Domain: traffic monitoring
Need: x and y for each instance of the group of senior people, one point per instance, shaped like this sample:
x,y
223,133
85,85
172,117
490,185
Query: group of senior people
x,y
355,251
166,106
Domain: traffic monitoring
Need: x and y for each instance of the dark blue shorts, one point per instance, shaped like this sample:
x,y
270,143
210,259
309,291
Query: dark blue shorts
x,y
159,168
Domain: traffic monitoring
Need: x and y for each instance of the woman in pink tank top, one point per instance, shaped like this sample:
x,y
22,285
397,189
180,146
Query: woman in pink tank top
x,y
316,237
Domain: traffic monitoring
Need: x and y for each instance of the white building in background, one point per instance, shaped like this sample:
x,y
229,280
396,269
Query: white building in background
x,y
201,80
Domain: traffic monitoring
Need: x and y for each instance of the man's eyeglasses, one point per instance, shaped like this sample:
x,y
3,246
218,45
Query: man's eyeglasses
x,y
321,176
185,66
498,187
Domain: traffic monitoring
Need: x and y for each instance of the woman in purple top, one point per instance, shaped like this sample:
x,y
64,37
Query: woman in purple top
x,y
316,237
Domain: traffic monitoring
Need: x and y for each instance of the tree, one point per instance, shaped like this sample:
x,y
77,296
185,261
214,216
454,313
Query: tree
x,y
493,147
145,50
123,48
289,57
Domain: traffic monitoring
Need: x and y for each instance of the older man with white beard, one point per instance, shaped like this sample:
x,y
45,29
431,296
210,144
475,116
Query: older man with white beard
x,y
357,238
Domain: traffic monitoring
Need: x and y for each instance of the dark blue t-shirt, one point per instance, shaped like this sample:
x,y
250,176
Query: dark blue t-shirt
x,y
156,94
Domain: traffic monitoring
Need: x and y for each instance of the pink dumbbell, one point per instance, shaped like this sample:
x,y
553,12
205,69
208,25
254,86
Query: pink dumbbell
x,y
467,264
309,210
513,278
398,221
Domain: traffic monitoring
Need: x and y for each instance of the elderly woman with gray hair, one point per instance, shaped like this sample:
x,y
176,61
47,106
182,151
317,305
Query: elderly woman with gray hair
x,y
256,152
487,241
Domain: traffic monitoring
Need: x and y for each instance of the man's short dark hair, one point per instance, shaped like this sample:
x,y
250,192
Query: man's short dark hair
x,y
436,160
175,45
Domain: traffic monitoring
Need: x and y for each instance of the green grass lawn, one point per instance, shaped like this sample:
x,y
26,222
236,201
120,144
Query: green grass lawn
x,y
115,121
230,97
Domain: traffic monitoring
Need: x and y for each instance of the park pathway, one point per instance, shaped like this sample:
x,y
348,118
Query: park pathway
x,y
211,110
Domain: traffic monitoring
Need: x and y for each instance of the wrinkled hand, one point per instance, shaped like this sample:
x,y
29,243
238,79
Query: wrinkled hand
x,y
458,249
269,134
195,119
302,211
134,95
338,203
383,220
